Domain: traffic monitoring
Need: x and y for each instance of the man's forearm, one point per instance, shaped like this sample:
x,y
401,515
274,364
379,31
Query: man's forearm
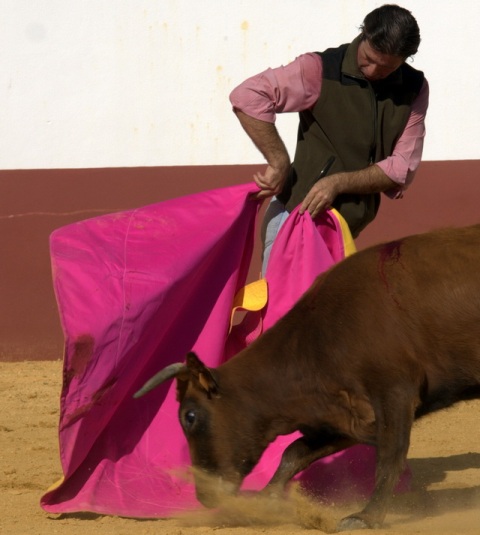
x,y
369,180
266,138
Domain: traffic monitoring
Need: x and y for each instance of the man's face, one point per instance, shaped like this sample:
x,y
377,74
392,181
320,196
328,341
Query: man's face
x,y
373,64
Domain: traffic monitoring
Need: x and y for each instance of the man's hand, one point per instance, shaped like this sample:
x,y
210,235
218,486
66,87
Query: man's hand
x,y
271,182
321,196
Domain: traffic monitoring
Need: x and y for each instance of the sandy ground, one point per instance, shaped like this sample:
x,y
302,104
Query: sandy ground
x,y
444,457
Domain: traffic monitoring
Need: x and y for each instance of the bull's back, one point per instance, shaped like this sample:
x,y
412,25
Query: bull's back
x,y
428,275
431,276
413,302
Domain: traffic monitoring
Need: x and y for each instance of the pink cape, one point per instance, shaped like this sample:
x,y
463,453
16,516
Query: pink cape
x,y
136,291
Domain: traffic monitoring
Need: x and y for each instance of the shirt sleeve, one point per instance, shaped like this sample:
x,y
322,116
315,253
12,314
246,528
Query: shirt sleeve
x,y
402,165
291,88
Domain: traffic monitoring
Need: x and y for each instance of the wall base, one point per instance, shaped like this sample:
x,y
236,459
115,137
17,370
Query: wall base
x,y
35,202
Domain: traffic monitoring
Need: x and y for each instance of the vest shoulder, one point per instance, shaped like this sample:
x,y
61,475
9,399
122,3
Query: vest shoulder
x,y
332,59
412,77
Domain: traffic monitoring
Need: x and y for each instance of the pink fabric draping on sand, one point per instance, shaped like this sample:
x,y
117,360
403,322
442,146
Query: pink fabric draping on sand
x,y
138,289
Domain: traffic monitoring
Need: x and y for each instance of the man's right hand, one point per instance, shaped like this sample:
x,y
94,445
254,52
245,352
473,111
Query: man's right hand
x,y
271,182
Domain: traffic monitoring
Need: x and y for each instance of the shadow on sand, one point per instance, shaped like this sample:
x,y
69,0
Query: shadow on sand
x,y
423,501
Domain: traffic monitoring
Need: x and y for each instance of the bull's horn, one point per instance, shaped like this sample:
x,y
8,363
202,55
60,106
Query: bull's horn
x,y
167,373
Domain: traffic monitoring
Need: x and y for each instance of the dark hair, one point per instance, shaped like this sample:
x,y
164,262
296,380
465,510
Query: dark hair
x,y
392,30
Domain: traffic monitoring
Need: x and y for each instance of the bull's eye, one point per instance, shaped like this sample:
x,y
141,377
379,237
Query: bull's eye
x,y
190,417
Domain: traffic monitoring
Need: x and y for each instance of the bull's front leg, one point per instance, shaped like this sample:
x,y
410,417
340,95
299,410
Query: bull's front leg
x,y
393,440
300,454
373,515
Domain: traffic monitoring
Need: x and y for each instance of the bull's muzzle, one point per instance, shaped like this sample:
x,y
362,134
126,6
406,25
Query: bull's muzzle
x,y
212,490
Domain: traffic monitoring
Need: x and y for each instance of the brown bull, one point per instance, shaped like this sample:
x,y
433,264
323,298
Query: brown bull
x,y
387,335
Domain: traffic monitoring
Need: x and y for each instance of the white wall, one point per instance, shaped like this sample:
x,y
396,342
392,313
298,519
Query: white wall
x,y
113,83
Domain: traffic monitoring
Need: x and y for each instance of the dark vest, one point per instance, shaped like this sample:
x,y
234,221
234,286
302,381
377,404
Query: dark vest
x,y
354,120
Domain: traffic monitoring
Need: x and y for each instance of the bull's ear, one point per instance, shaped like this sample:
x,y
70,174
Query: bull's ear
x,y
199,371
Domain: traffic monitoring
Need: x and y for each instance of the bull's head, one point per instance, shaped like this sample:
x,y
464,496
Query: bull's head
x,y
224,447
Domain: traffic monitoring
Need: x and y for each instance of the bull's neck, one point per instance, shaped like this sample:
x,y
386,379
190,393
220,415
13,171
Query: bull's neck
x,y
264,390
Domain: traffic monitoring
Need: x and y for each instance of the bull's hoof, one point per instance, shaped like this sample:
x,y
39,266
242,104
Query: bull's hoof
x,y
275,492
352,522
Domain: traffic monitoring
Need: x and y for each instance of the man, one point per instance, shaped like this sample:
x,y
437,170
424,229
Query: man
x,y
362,112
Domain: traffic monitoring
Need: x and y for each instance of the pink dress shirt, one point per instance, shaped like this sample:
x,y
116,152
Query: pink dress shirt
x,y
297,86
